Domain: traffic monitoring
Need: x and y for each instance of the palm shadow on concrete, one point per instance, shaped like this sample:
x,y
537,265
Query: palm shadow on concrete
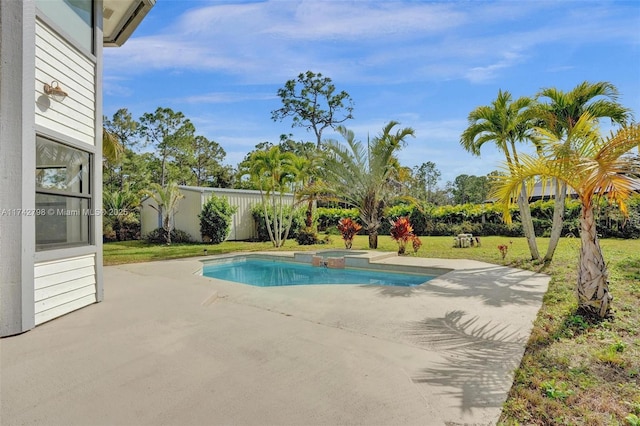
x,y
479,358
494,285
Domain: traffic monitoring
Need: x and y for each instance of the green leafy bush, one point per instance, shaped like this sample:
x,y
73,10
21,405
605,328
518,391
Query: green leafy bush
x,y
486,219
215,219
329,217
261,227
307,237
157,236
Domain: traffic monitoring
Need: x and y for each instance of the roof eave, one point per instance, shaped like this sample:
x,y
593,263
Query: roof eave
x,y
127,24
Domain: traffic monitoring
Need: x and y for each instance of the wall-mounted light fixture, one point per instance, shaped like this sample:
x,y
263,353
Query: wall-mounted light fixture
x,y
55,91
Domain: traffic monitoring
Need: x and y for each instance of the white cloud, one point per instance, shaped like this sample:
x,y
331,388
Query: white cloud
x,y
491,71
270,41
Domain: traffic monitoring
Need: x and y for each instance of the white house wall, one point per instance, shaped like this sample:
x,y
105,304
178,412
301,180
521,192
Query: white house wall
x,y
57,60
66,284
62,286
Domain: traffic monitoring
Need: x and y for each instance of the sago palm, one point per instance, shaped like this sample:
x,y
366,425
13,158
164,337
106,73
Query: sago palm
x,y
594,167
505,122
559,115
362,175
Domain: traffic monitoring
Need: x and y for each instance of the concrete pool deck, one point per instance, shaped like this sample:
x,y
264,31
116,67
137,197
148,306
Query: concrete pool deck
x,y
168,346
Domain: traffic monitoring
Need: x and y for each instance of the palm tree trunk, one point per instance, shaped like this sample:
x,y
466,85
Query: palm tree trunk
x,y
527,223
167,228
373,238
265,204
309,218
593,285
558,219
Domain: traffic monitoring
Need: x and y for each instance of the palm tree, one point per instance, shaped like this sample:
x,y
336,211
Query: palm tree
x,y
362,176
560,115
118,206
167,198
111,146
274,173
308,169
594,167
505,122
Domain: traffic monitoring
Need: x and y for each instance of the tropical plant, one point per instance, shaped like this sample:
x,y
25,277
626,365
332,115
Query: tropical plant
x,y
112,148
119,208
503,249
307,168
262,234
595,167
159,236
215,219
401,233
416,243
275,174
348,228
559,116
167,199
362,176
505,122
307,237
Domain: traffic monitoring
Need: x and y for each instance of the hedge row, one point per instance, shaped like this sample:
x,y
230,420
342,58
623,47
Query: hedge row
x,y
486,219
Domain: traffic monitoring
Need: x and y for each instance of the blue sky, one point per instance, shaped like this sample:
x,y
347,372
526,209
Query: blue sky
x,y
424,64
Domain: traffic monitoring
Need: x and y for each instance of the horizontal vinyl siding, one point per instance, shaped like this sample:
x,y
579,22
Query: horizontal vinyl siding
x,y
62,286
57,60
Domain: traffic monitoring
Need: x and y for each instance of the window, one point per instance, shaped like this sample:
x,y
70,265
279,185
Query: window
x,y
63,195
75,17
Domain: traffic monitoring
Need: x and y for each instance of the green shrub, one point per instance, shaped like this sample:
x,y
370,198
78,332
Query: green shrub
x,y
121,228
307,237
328,217
261,226
157,236
215,219
466,227
333,230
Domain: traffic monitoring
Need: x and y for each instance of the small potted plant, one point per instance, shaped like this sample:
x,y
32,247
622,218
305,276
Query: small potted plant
x,y
348,228
402,233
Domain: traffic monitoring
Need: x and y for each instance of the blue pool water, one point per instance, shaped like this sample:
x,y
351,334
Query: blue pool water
x,y
269,273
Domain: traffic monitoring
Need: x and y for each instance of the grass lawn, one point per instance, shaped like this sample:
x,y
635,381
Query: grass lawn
x,y
574,371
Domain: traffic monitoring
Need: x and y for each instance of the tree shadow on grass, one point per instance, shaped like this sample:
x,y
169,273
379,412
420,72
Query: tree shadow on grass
x,y
479,358
494,285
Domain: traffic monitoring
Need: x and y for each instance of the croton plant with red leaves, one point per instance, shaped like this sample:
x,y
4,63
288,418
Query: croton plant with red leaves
x,y
348,228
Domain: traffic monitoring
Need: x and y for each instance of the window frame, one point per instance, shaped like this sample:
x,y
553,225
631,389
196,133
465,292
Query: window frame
x,y
87,197
91,53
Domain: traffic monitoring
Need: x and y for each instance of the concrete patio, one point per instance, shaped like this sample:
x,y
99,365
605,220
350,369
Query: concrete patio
x,y
168,346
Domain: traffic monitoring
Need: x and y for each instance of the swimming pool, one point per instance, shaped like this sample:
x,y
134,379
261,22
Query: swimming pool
x,y
270,273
